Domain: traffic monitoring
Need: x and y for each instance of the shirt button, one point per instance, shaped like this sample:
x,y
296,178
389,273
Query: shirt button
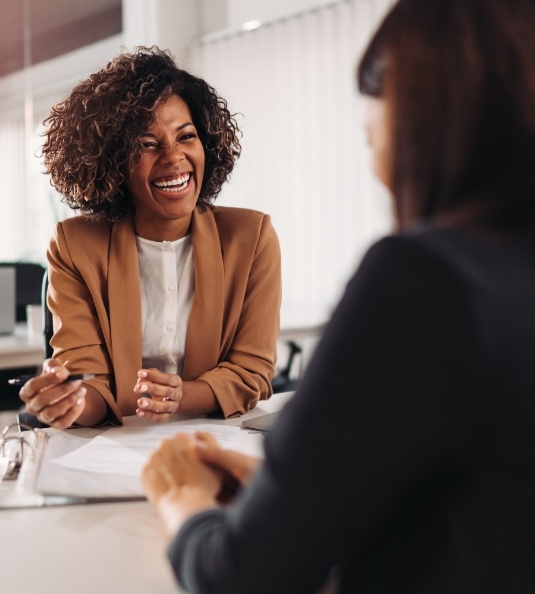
x,y
170,327
171,288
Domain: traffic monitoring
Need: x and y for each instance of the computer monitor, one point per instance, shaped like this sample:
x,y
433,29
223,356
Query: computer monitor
x,y
7,299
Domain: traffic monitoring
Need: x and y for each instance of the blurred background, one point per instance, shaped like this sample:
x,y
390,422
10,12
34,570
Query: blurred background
x,y
287,70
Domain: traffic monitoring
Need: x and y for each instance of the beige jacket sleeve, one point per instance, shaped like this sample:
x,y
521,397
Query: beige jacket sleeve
x,y
78,269
248,276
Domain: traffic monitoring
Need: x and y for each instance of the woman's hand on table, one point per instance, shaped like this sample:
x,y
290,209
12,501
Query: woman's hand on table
x,y
178,483
160,394
236,469
53,400
190,473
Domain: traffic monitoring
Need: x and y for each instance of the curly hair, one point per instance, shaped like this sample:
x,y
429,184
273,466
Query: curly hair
x,y
92,137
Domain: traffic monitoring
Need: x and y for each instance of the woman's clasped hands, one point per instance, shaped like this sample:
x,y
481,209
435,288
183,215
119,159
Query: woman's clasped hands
x,y
191,473
160,394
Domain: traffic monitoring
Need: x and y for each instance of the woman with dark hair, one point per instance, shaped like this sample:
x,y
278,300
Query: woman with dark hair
x,y
153,289
421,477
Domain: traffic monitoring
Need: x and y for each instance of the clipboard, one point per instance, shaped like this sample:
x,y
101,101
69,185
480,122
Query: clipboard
x,y
81,465
28,479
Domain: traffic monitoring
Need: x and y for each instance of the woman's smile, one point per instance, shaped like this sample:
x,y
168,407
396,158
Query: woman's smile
x,y
172,184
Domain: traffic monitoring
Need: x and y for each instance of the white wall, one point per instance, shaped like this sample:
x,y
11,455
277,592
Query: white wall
x,y
171,24
232,14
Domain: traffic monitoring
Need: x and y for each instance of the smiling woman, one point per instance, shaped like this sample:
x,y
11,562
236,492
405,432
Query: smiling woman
x,y
152,288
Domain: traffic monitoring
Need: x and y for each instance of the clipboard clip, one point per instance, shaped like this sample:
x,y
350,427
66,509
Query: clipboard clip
x,y
13,448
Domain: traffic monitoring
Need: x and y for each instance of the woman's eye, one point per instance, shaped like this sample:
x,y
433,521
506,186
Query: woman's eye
x,y
188,136
149,145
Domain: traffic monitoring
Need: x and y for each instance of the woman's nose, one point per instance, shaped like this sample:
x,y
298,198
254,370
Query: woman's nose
x,y
173,152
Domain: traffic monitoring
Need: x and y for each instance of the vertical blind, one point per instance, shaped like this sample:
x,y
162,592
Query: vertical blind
x,y
304,160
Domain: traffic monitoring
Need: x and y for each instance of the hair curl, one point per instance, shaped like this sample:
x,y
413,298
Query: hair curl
x,y
92,137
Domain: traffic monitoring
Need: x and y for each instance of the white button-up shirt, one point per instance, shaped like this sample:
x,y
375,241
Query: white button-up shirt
x,y
167,289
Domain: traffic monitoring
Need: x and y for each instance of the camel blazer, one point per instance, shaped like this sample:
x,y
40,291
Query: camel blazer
x,y
95,297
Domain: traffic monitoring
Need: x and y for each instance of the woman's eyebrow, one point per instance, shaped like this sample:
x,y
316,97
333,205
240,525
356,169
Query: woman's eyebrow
x,y
181,127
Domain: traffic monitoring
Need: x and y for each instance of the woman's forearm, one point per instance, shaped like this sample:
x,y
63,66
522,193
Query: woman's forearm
x,y
95,409
197,398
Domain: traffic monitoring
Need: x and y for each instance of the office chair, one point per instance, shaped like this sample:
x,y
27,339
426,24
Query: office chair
x,y
48,328
28,280
25,417
282,381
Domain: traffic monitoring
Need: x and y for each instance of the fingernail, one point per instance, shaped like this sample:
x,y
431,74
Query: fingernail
x,y
143,403
143,388
140,413
62,373
142,374
80,401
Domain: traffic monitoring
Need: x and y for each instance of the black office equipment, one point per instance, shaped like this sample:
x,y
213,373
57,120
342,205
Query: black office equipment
x,y
28,281
282,382
7,299
48,329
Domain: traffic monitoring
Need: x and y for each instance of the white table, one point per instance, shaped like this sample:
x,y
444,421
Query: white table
x,y
21,349
94,549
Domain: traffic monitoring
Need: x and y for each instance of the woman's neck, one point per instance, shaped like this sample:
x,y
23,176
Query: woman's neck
x,y
162,230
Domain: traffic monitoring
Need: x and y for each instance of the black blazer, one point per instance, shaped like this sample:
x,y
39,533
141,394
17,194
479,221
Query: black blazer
x,y
407,457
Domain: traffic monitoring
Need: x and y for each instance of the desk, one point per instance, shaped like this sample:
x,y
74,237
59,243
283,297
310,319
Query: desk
x,y
20,349
95,549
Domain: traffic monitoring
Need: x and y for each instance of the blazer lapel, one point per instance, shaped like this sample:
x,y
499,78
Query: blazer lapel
x,y
124,294
206,319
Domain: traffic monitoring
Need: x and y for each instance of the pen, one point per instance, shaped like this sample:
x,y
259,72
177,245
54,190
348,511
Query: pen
x,y
22,379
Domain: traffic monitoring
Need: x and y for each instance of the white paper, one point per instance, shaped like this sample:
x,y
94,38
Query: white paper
x,y
124,450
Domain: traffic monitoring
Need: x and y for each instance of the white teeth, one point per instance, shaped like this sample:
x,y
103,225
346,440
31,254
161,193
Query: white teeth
x,y
174,185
